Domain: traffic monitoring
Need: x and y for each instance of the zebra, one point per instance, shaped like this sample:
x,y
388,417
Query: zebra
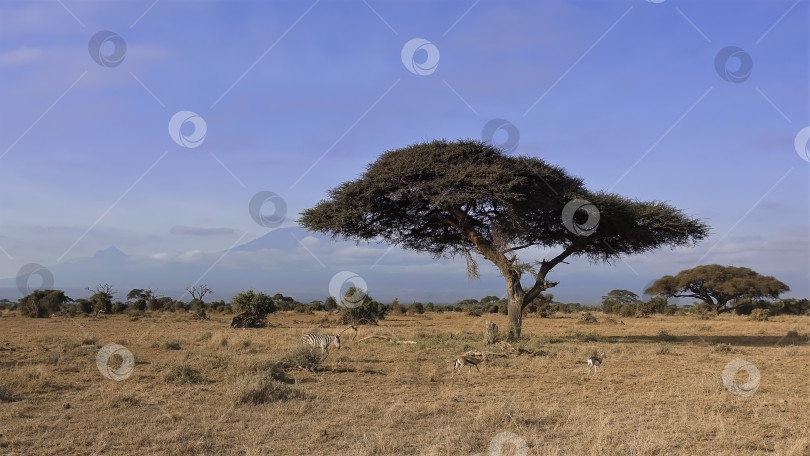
x,y
323,341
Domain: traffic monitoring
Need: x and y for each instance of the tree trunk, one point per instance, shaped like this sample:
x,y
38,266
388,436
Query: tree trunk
x,y
515,297
490,333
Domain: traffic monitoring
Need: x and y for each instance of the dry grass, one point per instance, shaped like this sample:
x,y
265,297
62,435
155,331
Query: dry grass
x,y
199,388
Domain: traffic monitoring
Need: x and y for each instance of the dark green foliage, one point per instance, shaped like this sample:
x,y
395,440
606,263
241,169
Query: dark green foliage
x,y
416,308
198,309
475,311
330,304
119,307
541,305
101,302
139,299
622,302
257,303
43,303
102,299
357,308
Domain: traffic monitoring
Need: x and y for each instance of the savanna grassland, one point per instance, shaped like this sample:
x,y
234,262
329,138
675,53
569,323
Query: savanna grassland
x,y
198,387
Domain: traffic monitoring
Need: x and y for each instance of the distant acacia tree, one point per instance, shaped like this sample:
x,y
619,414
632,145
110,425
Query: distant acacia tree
x,y
468,197
615,300
722,288
139,298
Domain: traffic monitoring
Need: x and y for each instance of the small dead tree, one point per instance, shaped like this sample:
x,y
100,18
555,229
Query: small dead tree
x,y
197,292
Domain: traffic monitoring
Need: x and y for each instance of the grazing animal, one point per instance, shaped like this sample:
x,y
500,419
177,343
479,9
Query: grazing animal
x,y
595,363
322,341
462,361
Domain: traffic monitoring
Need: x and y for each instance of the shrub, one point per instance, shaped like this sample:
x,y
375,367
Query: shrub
x,y
759,315
475,311
416,308
665,336
180,373
262,388
664,348
42,303
357,308
397,308
329,304
670,309
256,303
167,345
794,337
588,318
304,357
626,310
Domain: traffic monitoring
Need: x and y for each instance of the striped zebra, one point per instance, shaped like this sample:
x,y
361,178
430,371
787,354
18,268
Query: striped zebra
x,y
321,340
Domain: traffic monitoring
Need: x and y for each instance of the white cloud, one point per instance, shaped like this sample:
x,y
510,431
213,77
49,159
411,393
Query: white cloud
x,y
21,56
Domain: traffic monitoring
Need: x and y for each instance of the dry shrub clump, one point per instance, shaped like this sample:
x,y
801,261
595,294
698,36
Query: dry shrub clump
x,y
262,388
759,315
794,337
664,336
304,357
218,340
180,373
587,318
167,345
27,378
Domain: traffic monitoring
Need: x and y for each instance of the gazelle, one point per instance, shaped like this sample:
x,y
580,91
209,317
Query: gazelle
x,y
468,361
595,363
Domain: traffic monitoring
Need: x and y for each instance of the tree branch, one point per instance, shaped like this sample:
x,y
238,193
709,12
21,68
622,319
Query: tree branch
x,y
540,283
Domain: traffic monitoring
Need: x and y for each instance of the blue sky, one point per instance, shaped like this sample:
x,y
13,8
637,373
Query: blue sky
x,y
298,97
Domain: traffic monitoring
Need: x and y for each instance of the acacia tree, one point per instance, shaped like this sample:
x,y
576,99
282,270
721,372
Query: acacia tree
x,y
723,288
467,197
